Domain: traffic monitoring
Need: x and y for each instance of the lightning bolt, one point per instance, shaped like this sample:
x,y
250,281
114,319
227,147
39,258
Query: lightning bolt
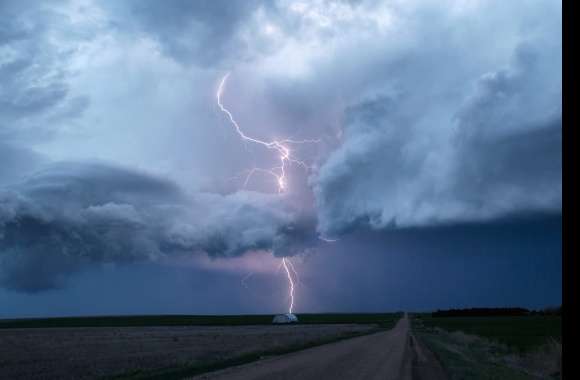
x,y
290,282
281,147
285,157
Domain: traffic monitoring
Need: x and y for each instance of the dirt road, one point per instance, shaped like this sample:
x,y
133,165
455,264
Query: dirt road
x,y
393,354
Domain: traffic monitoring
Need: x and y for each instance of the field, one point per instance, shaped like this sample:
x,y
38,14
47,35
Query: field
x,y
385,319
526,347
522,333
162,346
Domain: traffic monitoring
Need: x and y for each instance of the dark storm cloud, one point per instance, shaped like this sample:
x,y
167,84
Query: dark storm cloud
x,y
426,136
70,215
513,261
509,138
508,263
499,153
33,73
203,32
17,162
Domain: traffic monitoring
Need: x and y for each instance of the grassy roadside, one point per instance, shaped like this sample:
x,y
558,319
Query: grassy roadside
x,y
493,347
520,333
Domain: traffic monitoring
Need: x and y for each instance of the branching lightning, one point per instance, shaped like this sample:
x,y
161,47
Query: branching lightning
x,y
281,147
285,157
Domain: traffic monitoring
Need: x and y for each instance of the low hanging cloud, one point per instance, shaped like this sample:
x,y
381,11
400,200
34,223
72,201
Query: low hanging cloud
x,y
74,214
499,153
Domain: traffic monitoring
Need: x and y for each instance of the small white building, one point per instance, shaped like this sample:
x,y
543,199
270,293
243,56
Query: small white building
x,y
285,318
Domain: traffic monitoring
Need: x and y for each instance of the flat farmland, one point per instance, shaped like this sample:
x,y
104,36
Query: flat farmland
x,y
522,333
499,347
167,350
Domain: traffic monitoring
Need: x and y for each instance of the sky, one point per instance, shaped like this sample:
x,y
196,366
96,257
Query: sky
x,y
167,157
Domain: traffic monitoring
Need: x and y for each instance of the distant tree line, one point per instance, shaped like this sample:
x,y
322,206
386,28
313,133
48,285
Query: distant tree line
x,y
496,312
548,311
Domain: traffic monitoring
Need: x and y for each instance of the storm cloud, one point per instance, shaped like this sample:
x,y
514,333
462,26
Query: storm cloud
x,y
71,215
112,148
34,95
420,156
200,32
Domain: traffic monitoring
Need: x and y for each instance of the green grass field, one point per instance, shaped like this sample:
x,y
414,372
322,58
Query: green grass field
x,y
385,320
522,333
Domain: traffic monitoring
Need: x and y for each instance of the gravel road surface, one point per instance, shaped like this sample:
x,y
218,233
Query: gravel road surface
x,y
393,354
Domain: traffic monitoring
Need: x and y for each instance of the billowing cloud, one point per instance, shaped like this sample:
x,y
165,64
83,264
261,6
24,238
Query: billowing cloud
x,y
407,164
34,95
72,214
17,161
427,112
200,32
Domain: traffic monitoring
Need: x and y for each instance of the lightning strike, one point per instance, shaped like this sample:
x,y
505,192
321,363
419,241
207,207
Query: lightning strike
x,y
290,282
281,147
285,157
291,266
